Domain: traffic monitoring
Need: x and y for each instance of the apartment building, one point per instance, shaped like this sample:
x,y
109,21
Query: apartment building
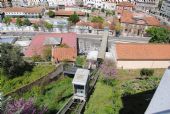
x,y
165,9
147,5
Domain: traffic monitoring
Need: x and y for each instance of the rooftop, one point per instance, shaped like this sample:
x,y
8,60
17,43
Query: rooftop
x,y
125,4
36,47
68,13
23,9
138,18
62,54
136,51
81,77
7,40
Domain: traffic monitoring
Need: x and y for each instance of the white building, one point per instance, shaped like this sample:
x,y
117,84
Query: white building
x,y
147,5
165,9
55,3
137,56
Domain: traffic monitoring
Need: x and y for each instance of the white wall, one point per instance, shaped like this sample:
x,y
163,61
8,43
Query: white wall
x,y
142,64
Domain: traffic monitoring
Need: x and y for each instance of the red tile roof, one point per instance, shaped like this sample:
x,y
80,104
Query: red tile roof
x,y
62,54
23,9
125,4
68,13
135,51
133,18
90,24
36,47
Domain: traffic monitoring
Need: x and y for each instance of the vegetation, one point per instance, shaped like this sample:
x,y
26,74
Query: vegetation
x,y
123,93
159,35
108,71
74,18
51,14
26,22
19,22
47,54
80,61
48,26
22,106
35,26
146,72
12,62
7,20
97,19
53,96
37,72
100,102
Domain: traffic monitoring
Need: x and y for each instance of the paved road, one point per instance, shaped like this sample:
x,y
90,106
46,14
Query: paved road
x,y
86,36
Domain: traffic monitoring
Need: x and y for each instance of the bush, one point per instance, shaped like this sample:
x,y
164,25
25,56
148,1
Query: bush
x,y
51,14
146,72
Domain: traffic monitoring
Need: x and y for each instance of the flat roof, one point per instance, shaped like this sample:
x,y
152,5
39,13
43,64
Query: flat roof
x,y
23,43
81,76
160,103
92,55
7,40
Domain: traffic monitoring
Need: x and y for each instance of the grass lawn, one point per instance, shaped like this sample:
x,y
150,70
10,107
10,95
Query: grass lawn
x,y
128,94
53,96
100,102
38,71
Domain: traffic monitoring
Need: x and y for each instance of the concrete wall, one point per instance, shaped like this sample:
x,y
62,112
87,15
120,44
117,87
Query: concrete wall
x,y
142,64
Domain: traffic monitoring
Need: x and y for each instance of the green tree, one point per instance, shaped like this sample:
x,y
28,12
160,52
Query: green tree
x,y
26,22
48,26
159,35
74,18
97,19
51,14
35,26
7,20
47,53
19,22
11,61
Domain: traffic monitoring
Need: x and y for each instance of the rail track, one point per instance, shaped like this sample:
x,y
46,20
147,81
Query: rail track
x,y
76,106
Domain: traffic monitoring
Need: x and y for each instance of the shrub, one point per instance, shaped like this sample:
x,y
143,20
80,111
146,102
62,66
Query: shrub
x,y
51,14
146,72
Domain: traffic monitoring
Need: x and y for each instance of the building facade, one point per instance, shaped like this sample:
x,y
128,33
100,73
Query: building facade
x,y
138,56
147,5
165,9
23,11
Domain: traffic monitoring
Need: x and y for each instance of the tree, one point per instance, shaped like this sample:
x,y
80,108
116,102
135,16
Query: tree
x,y
7,20
74,18
47,53
22,106
118,28
159,35
11,61
108,70
51,14
19,22
97,19
48,26
26,22
35,26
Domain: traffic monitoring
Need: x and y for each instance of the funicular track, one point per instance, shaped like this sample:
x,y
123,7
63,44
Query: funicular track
x,y
76,106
